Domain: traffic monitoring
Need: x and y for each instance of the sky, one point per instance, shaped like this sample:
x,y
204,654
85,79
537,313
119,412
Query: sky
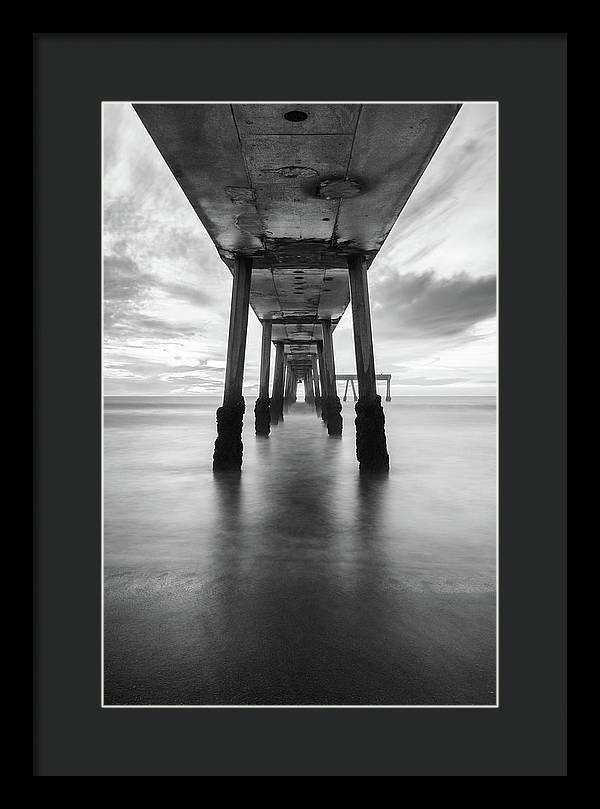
x,y
432,285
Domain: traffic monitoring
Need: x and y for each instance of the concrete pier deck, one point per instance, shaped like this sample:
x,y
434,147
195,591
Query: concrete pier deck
x,y
297,188
298,199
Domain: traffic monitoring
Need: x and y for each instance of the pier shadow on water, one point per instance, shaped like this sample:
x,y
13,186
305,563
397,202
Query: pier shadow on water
x,y
299,581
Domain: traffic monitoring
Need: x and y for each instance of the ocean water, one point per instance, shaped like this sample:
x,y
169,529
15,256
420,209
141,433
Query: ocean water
x,y
299,581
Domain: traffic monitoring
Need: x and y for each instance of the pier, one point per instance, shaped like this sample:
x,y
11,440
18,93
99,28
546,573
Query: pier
x,y
351,378
298,200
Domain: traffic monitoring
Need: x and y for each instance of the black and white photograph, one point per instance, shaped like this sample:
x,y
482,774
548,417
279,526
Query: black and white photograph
x,y
300,422
300,396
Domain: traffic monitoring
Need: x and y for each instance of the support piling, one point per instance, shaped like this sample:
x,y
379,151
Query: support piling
x,y
278,383
316,383
371,445
228,445
262,406
333,406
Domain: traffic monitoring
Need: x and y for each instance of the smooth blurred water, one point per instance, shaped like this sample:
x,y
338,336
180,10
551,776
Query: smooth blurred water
x,y
299,581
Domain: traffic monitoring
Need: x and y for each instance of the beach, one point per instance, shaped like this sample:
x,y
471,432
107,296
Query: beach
x,y
299,581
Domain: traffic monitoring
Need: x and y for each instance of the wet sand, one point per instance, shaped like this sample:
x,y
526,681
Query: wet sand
x,y
300,582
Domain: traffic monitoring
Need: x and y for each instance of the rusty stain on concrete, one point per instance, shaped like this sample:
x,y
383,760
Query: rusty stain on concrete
x,y
240,196
339,189
291,172
250,223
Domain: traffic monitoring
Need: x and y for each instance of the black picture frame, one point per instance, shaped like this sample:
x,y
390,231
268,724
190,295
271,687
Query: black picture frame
x,y
526,74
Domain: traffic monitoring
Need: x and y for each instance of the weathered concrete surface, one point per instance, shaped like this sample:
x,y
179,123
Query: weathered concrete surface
x,y
262,407
371,446
229,449
238,327
332,407
316,382
262,415
278,384
228,445
298,194
256,179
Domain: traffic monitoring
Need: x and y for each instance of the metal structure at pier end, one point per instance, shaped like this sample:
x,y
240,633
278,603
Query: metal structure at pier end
x,y
298,199
349,378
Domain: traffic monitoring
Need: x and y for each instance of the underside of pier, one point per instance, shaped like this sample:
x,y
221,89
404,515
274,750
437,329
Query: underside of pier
x,y
298,199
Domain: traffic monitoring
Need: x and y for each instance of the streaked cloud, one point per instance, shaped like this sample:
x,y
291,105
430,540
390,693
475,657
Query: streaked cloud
x,y
433,285
424,305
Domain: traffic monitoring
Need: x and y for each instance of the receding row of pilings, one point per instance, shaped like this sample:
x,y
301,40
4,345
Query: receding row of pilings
x,y
318,377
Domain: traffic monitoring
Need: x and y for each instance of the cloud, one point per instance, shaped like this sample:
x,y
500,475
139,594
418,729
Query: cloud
x,y
197,375
452,174
426,382
449,223
124,280
167,292
424,306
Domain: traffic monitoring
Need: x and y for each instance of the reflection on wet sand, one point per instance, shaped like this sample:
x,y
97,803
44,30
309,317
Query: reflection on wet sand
x,y
299,581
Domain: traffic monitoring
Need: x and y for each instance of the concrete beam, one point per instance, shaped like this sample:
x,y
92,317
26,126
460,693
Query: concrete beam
x,y
298,197
316,383
278,384
270,188
322,380
262,407
309,390
371,446
228,446
290,386
333,406
361,324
